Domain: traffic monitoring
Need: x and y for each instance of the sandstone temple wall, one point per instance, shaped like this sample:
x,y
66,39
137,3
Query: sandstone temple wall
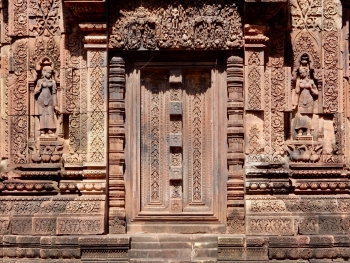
x,y
158,131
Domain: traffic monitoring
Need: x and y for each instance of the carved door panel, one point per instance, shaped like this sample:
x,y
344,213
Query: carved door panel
x,y
176,143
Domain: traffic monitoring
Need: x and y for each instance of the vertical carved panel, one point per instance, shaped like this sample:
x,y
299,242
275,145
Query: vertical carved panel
x,y
198,111
235,156
279,84
97,104
116,146
267,115
4,110
155,188
18,17
19,103
254,81
331,75
153,161
196,144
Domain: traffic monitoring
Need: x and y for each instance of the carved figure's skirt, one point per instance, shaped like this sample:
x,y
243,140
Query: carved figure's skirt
x,y
47,118
302,122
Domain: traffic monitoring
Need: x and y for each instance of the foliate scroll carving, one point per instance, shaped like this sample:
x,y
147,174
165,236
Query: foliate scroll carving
x,y
254,82
19,104
181,25
74,79
277,132
331,78
307,14
305,43
278,92
267,115
19,20
47,49
271,226
155,158
44,17
331,15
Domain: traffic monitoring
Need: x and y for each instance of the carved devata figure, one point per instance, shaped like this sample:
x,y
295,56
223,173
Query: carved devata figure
x,y
304,145
304,96
47,147
46,97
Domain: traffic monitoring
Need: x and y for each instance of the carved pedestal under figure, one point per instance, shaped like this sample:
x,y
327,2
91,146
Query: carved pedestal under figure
x,y
46,98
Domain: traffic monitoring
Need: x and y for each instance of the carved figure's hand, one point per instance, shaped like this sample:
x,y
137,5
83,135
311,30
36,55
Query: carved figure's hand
x,y
57,110
37,90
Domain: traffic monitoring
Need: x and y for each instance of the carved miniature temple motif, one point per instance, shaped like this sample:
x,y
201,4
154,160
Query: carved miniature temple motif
x,y
129,130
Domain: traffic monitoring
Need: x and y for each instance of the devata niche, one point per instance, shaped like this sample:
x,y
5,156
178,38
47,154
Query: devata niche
x,y
158,131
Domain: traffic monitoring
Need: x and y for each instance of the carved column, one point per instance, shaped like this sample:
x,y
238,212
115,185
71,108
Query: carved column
x,y
95,44
235,137
116,137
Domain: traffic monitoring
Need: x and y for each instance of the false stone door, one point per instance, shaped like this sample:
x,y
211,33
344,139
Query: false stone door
x,y
177,176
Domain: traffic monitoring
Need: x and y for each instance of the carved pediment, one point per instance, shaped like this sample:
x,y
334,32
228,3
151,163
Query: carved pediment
x,y
182,25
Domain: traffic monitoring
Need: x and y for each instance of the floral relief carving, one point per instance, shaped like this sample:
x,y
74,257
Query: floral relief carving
x,y
19,21
19,104
44,17
307,14
331,79
177,26
254,82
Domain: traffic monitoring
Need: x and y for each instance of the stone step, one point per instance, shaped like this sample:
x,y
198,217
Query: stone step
x,y
204,253
205,244
160,245
204,260
182,253
153,260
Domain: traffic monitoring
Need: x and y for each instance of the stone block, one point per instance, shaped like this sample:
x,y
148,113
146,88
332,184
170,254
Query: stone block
x,y
175,76
309,225
283,241
257,253
321,241
44,225
341,240
231,241
27,252
4,225
80,225
145,238
175,173
175,140
175,108
256,241
52,253
270,225
21,225
145,245
205,253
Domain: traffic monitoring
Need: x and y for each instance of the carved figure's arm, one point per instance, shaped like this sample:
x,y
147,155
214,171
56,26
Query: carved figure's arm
x,y
295,95
313,89
54,97
38,87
